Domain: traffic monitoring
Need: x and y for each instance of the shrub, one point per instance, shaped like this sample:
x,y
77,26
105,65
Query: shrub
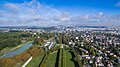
x,y
35,51
26,57
18,58
8,62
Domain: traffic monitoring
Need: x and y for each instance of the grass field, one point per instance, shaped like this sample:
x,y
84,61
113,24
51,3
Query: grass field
x,y
50,62
68,57
35,61
60,59
65,59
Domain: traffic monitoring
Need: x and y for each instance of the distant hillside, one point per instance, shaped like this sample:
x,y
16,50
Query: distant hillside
x,y
92,26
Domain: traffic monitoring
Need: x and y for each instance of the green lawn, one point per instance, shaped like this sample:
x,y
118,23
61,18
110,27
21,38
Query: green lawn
x,y
68,58
50,62
60,59
35,61
62,62
20,64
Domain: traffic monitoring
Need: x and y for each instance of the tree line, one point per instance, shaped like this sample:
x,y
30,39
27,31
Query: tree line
x,y
12,39
23,57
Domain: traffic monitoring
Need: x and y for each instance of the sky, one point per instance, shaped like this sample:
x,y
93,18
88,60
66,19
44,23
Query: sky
x,y
59,12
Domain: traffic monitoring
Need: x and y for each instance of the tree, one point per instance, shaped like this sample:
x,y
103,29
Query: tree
x,y
26,56
12,39
18,58
35,51
60,38
8,62
39,41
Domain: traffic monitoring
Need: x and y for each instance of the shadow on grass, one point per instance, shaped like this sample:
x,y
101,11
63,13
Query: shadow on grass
x,y
57,58
72,59
41,61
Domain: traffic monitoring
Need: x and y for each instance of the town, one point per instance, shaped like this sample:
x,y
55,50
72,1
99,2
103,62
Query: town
x,y
68,46
59,33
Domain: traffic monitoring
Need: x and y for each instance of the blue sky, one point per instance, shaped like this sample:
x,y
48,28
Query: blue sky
x,y
66,12
104,5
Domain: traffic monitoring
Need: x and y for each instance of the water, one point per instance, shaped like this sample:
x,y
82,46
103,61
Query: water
x,y
18,51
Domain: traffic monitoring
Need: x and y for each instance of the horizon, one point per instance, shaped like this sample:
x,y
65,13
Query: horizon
x,y
59,33
59,12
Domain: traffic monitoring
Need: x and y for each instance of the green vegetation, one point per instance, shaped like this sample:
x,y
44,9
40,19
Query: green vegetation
x,y
39,41
23,57
56,47
8,49
62,58
77,58
8,62
12,39
65,58
68,57
46,35
60,38
43,62
51,60
35,61
40,38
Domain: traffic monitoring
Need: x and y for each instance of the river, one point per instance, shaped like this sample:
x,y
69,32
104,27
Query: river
x,y
17,51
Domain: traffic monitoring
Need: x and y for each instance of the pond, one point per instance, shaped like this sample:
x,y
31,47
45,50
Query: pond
x,y
17,51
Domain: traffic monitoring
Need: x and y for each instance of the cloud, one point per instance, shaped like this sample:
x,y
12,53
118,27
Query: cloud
x,y
32,13
36,14
100,13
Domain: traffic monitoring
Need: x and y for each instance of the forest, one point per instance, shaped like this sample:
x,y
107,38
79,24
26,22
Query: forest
x,y
12,39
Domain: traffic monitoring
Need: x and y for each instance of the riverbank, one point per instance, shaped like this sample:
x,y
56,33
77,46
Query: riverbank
x,y
17,60
9,49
